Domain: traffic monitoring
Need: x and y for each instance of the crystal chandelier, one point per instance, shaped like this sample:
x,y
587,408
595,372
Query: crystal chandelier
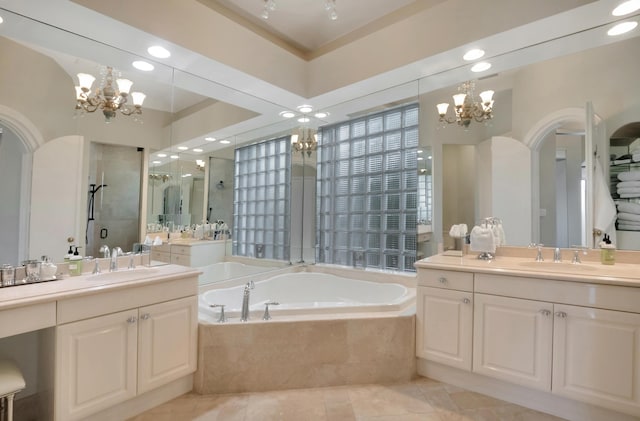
x,y
329,6
304,140
108,98
466,106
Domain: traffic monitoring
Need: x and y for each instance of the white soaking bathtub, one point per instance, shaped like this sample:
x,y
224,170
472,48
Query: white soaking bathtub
x,y
223,271
309,294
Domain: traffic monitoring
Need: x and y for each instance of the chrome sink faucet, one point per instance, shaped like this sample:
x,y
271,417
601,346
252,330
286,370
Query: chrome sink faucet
x,y
113,264
557,255
244,315
539,257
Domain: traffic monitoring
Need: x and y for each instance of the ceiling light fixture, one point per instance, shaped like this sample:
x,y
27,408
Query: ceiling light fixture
x,y
473,54
225,142
304,140
627,7
466,106
304,109
108,98
162,155
143,65
182,148
158,51
622,28
329,7
197,150
200,164
210,139
481,67
287,114
321,114
174,157
303,120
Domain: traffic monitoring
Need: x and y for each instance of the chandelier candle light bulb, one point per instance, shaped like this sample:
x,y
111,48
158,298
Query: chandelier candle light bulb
x,y
466,107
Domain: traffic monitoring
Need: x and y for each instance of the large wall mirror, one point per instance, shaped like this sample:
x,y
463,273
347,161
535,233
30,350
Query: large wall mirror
x,y
186,110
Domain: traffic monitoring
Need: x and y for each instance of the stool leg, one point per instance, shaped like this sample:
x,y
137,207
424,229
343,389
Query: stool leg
x,y
10,407
2,408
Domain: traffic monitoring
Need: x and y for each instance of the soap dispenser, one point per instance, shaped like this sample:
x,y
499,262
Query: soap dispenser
x,y
48,269
75,263
607,251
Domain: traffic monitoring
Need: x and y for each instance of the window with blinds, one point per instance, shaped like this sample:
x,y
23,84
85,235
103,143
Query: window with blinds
x,y
261,204
367,191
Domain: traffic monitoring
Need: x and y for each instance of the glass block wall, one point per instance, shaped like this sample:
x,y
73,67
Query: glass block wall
x,y
261,202
367,191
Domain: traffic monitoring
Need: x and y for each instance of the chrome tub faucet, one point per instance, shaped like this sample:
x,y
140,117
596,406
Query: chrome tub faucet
x,y
244,315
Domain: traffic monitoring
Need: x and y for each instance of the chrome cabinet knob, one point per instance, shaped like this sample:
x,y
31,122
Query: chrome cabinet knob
x,y
131,320
442,280
561,314
145,316
466,300
545,312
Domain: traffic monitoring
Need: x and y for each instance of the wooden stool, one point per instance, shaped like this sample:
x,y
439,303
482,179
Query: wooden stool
x,y
11,382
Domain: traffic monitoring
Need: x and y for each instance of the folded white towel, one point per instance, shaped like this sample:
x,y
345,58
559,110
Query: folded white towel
x,y
458,231
626,227
147,241
482,240
628,195
628,216
629,176
630,223
623,190
628,184
629,207
157,241
498,233
635,157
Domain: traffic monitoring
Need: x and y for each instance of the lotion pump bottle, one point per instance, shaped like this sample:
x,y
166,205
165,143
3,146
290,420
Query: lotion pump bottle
x,y
607,251
75,263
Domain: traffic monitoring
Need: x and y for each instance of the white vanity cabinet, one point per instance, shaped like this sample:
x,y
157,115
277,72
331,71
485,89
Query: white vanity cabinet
x,y
512,340
106,355
444,317
596,356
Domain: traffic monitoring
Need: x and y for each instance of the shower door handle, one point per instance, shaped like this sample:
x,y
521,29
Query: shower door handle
x,y
104,233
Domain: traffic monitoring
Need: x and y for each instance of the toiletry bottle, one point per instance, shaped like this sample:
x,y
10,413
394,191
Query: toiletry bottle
x,y
75,263
69,254
607,251
48,269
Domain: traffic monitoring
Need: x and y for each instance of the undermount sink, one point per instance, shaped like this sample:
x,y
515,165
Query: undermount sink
x,y
559,266
124,274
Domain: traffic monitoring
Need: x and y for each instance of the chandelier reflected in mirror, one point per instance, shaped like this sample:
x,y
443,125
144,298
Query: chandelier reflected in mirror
x,y
108,98
304,140
466,107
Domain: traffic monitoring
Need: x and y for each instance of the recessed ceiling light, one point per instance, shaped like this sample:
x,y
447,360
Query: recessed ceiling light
x,y
429,157
627,7
420,158
226,142
174,157
474,54
1,20
481,67
622,28
162,155
303,120
287,114
186,175
182,148
210,139
156,162
197,150
305,108
143,65
158,51
321,114
420,151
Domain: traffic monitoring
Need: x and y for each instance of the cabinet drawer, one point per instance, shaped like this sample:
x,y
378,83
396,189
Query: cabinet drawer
x,y
181,259
185,250
461,281
164,248
161,256
26,319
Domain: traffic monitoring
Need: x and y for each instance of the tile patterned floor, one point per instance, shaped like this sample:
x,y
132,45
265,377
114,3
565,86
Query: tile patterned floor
x,y
420,400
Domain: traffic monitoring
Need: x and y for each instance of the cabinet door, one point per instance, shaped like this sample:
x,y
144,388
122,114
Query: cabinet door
x,y
512,340
95,364
596,357
444,321
167,342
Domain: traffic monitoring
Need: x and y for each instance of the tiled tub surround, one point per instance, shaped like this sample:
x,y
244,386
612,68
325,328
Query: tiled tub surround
x,y
558,337
276,355
308,344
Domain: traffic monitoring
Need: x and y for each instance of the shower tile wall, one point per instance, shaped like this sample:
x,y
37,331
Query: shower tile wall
x,y
117,206
221,199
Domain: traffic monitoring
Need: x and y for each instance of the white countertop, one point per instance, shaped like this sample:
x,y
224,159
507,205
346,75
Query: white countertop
x,y
75,286
624,274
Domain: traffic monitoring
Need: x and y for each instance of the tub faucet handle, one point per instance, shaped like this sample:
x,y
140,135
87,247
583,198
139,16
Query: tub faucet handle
x,y
267,315
222,318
